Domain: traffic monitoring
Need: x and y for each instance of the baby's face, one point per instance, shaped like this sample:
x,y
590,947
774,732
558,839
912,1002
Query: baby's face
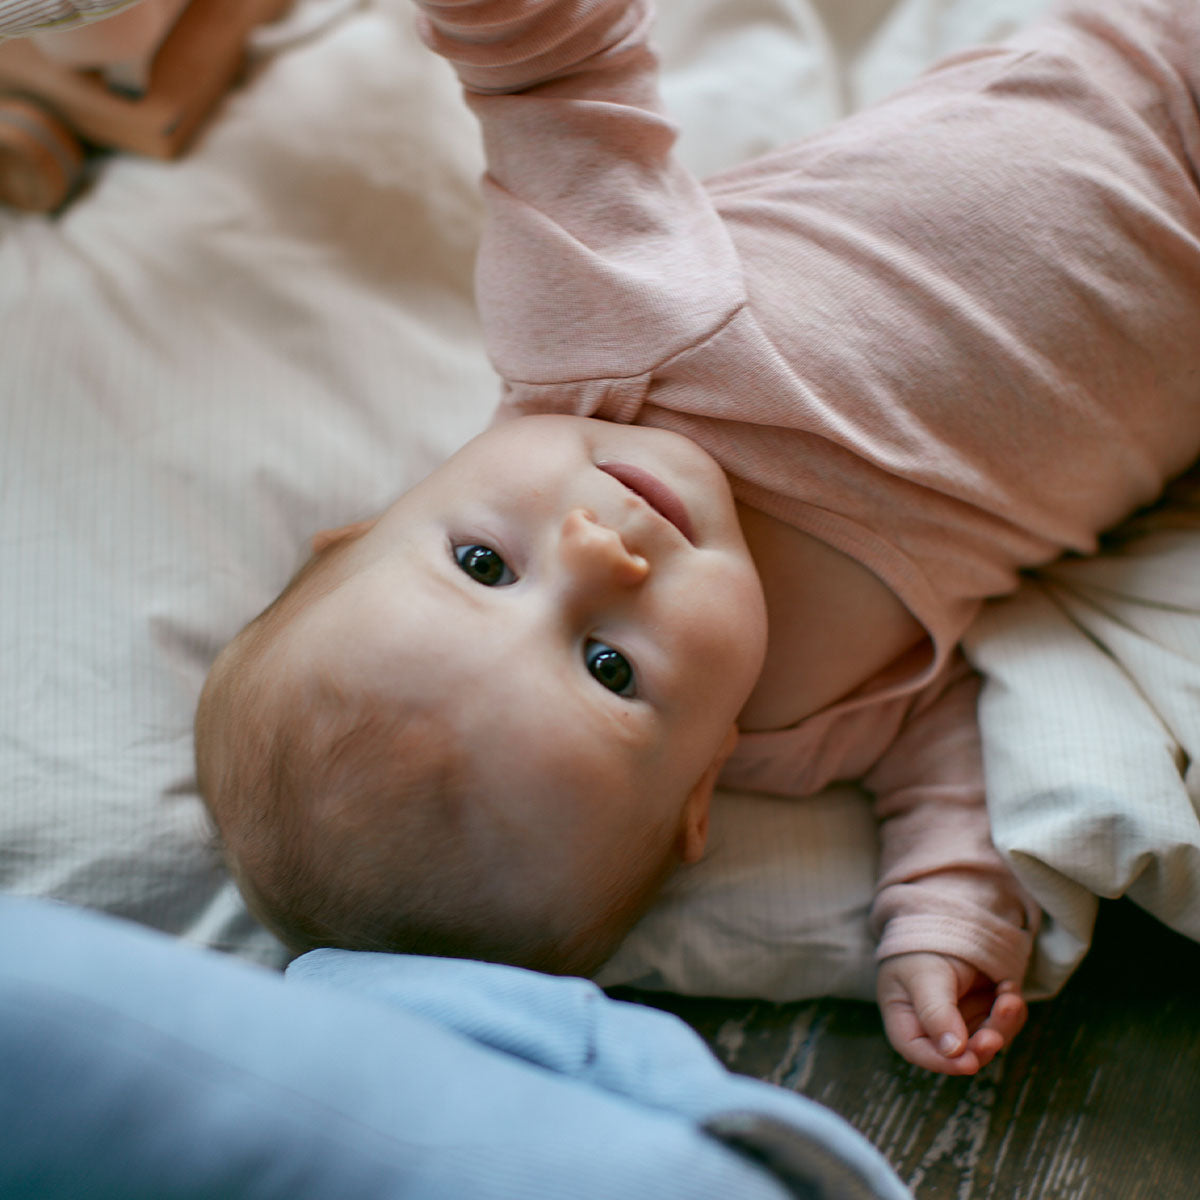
x,y
578,598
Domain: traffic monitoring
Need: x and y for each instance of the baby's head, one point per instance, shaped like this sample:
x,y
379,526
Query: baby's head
x,y
488,723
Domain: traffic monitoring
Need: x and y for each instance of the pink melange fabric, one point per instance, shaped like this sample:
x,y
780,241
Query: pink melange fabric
x,y
953,336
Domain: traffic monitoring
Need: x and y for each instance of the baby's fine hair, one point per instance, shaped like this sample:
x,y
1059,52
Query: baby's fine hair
x,y
349,821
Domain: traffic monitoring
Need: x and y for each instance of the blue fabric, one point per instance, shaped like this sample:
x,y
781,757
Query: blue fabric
x,y
133,1066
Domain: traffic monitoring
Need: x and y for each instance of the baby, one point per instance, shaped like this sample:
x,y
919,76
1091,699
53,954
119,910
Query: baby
x,y
765,446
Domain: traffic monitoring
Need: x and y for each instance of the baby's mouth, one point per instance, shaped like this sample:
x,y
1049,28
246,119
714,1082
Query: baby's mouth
x,y
654,492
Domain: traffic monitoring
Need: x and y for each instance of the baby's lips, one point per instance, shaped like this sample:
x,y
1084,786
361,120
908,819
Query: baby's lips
x,y
654,492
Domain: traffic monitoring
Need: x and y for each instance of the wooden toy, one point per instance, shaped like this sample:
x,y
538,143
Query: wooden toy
x,y
49,109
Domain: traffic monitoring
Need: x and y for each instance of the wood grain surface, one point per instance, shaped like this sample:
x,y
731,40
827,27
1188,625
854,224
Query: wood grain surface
x,y
1099,1099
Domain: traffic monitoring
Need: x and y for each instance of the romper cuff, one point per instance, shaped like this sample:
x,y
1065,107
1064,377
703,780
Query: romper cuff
x,y
998,949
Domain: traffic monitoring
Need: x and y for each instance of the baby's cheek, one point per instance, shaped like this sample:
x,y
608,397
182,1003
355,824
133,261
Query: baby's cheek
x,y
741,640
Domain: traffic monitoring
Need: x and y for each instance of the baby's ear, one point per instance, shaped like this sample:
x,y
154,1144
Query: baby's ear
x,y
330,537
693,831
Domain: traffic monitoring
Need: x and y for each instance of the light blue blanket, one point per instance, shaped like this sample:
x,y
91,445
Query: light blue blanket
x,y
133,1066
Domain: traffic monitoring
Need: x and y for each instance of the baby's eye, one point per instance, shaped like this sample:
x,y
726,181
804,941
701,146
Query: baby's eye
x,y
610,667
483,565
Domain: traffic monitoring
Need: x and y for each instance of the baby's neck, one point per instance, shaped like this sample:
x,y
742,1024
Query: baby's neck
x,y
832,624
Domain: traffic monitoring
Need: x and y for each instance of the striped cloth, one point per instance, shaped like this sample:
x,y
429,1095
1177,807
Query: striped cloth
x,y
19,18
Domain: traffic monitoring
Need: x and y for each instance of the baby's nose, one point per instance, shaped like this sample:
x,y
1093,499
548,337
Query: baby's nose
x,y
597,556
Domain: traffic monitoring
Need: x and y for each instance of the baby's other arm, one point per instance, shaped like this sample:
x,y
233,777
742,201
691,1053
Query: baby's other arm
x,y
955,927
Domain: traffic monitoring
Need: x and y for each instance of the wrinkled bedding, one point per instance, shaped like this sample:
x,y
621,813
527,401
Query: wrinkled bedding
x,y
204,362
1091,720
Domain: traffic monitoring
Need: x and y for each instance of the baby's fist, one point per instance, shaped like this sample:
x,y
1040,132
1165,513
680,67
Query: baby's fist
x,y
943,1014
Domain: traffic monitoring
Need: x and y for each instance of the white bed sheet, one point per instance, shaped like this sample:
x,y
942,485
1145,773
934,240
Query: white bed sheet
x,y
204,362
1091,721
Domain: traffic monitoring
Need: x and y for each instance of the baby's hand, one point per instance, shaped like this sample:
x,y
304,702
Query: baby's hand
x,y
943,1014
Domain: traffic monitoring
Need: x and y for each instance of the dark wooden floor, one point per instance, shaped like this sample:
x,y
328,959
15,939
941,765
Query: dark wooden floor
x,y
1099,1099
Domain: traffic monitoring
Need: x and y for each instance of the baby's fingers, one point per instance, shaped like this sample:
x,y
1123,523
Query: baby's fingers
x,y
918,1000
1009,1012
1003,1023
909,1039
936,1007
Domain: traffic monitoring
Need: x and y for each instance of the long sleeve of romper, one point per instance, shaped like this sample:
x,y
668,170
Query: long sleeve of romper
x,y
601,255
942,886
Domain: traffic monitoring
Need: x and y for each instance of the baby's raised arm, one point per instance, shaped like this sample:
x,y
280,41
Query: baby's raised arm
x,y
601,255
